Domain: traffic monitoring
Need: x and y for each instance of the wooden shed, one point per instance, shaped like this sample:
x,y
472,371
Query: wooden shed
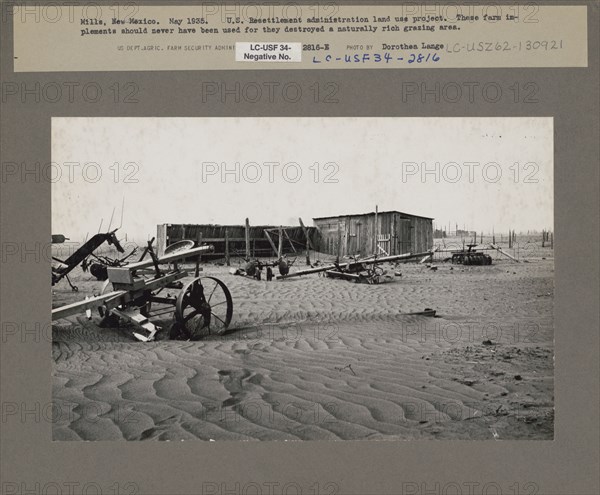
x,y
388,232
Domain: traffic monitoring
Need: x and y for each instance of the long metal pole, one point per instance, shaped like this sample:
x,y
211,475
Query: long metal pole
x,y
367,261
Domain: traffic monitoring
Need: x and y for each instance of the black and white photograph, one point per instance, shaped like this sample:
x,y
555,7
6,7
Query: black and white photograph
x,y
299,248
310,278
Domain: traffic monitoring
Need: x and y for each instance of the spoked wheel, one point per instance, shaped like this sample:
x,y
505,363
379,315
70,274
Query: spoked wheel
x,y
203,307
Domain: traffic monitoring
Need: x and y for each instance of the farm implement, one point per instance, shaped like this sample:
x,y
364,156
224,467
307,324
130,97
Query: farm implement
x,y
64,267
364,270
471,256
203,306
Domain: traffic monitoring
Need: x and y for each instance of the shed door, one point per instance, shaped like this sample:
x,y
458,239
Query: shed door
x,y
405,237
352,240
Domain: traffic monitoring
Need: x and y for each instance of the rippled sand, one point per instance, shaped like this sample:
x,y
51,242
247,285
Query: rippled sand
x,y
314,358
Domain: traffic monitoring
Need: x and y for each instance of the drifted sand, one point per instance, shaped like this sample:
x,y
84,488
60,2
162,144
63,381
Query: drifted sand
x,y
314,358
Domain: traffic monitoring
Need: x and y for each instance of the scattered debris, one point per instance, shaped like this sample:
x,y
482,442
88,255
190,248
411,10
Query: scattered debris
x,y
426,312
359,273
88,312
348,366
253,268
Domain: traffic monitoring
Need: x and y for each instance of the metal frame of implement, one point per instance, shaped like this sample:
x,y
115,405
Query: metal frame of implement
x,y
352,266
137,285
66,266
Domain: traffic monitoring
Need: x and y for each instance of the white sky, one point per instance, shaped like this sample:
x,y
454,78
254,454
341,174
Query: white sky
x,y
174,184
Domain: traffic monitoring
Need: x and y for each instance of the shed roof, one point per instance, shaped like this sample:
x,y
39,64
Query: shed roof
x,y
373,213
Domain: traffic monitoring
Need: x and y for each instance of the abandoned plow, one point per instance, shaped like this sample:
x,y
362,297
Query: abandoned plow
x,y
202,307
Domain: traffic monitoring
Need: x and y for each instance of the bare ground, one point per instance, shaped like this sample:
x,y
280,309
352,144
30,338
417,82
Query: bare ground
x,y
314,358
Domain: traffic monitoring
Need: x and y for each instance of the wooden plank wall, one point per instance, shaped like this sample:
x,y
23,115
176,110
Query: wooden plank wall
x,y
168,234
353,235
161,238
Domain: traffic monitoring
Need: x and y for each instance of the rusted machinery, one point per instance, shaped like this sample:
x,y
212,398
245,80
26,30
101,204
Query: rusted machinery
x,y
203,305
359,273
63,268
253,268
99,267
471,257
365,270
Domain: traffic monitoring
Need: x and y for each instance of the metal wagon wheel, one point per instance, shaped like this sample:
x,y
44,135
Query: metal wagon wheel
x,y
204,306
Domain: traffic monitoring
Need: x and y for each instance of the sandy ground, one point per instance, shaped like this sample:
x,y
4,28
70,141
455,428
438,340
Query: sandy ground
x,y
314,358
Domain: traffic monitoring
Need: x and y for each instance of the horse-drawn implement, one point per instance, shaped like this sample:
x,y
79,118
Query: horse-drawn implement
x,y
99,267
359,270
471,256
203,305
64,267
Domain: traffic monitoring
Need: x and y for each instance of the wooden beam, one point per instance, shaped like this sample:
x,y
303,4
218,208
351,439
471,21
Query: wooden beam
x,y
80,306
197,264
307,234
429,256
497,248
280,245
376,251
247,239
161,236
271,242
169,258
231,239
227,262
305,230
339,242
288,238
117,297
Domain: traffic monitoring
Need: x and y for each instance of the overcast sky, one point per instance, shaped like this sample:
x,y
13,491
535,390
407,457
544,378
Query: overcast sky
x,y
481,173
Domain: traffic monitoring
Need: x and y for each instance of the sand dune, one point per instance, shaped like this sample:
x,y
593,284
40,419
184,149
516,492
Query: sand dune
x,y
314,358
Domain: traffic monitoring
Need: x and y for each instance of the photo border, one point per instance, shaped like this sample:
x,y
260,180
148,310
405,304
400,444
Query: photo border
x,y
568,465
